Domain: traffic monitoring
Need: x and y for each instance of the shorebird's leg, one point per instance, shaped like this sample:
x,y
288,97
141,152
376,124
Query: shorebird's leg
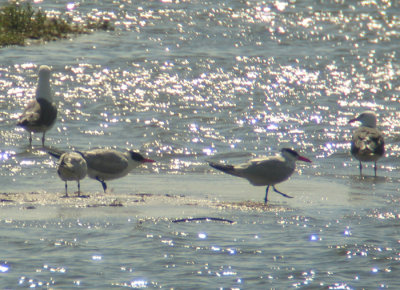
x,y
360,169
104,186
375,168
281,193
79,191
30,139
266,195
43,138
66,189
102,183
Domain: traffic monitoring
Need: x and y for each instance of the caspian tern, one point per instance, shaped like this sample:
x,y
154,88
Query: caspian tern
x,y
72,166
41,113
367,143
265,171
107,164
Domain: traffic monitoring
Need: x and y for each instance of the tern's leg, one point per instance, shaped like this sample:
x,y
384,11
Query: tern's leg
x,y
79,188
102,183
66,189
375,168
360,169
266,195
30,139
281,193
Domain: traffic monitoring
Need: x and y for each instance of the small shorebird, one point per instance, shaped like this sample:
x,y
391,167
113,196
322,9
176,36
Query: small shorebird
x,y
367,143
41,113
107,164
265,171
72,166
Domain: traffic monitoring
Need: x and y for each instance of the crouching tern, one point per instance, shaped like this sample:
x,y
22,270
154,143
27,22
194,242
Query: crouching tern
x,y
108,164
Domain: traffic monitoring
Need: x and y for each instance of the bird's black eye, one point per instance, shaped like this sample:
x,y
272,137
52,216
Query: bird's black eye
x,y
136,156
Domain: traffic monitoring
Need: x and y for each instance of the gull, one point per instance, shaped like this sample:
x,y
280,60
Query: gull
x,y
265,171
72,166
107,164
40,114
367,143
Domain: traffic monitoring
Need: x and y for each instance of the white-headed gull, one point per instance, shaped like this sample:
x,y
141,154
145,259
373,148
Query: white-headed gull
x,y
107,164
72,166
367,143
41,113
265,171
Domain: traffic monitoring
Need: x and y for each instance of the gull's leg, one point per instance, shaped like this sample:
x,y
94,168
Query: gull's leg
x,y
375,169
66,189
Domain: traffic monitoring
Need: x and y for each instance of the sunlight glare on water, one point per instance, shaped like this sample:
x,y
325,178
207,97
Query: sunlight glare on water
x,y
184,83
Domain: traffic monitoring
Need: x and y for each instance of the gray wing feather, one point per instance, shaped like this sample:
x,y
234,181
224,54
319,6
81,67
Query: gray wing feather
x,y
106,161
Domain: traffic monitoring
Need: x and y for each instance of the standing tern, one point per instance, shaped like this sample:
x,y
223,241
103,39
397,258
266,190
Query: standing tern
x,y
72,166
107,164
40,114
265,171
367,143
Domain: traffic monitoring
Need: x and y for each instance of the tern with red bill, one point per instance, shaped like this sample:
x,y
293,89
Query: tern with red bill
x,y
108,164
267,171
367,143
41,113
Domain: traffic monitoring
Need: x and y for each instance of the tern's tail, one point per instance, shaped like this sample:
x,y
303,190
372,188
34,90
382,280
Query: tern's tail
x,y
55,152
224,168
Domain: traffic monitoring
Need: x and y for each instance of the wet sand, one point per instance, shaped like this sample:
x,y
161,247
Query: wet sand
x,y
89,242
183,196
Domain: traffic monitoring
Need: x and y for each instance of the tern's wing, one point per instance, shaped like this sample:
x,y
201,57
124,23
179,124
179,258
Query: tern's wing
x,y
266,165
109,162
264,171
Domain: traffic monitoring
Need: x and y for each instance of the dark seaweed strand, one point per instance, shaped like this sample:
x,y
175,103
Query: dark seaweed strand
x,y
203,219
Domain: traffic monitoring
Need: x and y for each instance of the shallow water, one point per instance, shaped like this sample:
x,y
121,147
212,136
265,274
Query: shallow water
x,y
187,82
